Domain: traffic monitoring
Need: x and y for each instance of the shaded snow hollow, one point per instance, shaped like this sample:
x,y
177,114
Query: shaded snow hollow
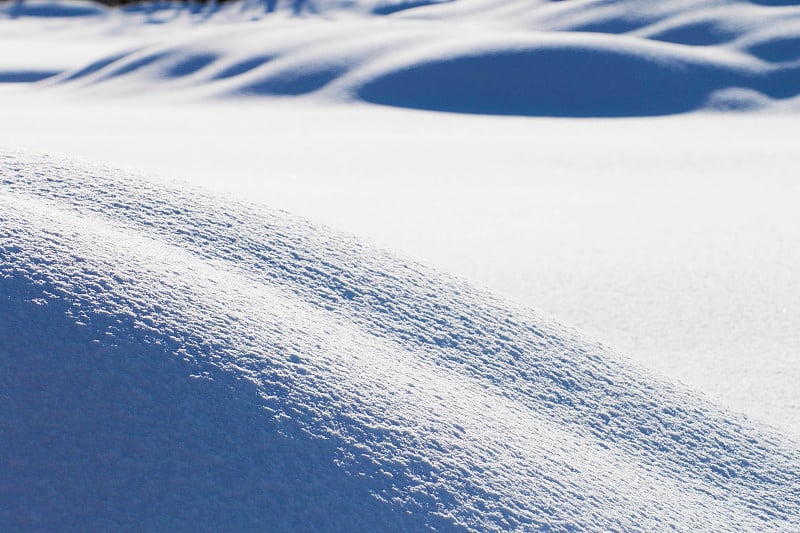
x,y
174,361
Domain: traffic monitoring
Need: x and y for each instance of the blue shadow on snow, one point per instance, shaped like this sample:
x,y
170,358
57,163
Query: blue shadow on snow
x,y
101,436
566,82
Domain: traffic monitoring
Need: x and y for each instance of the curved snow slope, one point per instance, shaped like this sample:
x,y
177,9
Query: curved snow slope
x,y
577,58
173,361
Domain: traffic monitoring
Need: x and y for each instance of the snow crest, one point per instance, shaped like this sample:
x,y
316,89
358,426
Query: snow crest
x,y
172,360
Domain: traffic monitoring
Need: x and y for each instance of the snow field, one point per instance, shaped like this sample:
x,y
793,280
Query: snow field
x,y
173,359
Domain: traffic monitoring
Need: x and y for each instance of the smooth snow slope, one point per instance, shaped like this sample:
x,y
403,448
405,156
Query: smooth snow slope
x,y
584,58
176,361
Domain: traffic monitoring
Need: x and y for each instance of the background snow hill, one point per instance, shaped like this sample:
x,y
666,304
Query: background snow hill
x,y
585,58
173,361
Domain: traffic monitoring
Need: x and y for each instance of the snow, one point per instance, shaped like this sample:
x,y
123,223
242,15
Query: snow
x,y
452,61
181,357
670,239
139,316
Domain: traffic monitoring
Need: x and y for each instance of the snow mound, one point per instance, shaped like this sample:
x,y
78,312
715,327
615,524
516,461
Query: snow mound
x,y
171,360
577,58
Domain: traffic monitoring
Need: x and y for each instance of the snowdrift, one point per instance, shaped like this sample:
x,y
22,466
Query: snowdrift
x,y
175,361
583,58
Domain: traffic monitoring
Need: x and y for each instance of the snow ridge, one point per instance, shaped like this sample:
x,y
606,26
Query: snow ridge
x,y
308,370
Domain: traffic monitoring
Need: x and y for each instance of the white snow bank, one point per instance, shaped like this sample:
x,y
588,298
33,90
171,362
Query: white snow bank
x,y
578,58
172,360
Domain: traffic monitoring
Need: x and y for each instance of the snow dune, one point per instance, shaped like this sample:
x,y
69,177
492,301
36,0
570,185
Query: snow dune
x,y
172,360
585,58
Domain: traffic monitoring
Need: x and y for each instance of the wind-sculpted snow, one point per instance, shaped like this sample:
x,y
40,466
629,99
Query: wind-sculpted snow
x,y
576,58
170,360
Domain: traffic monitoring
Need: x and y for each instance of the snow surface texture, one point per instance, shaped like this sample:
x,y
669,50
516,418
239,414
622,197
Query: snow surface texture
x,y
173,361
585,58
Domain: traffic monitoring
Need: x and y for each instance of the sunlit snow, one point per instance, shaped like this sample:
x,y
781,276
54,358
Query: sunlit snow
x,y
178,355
